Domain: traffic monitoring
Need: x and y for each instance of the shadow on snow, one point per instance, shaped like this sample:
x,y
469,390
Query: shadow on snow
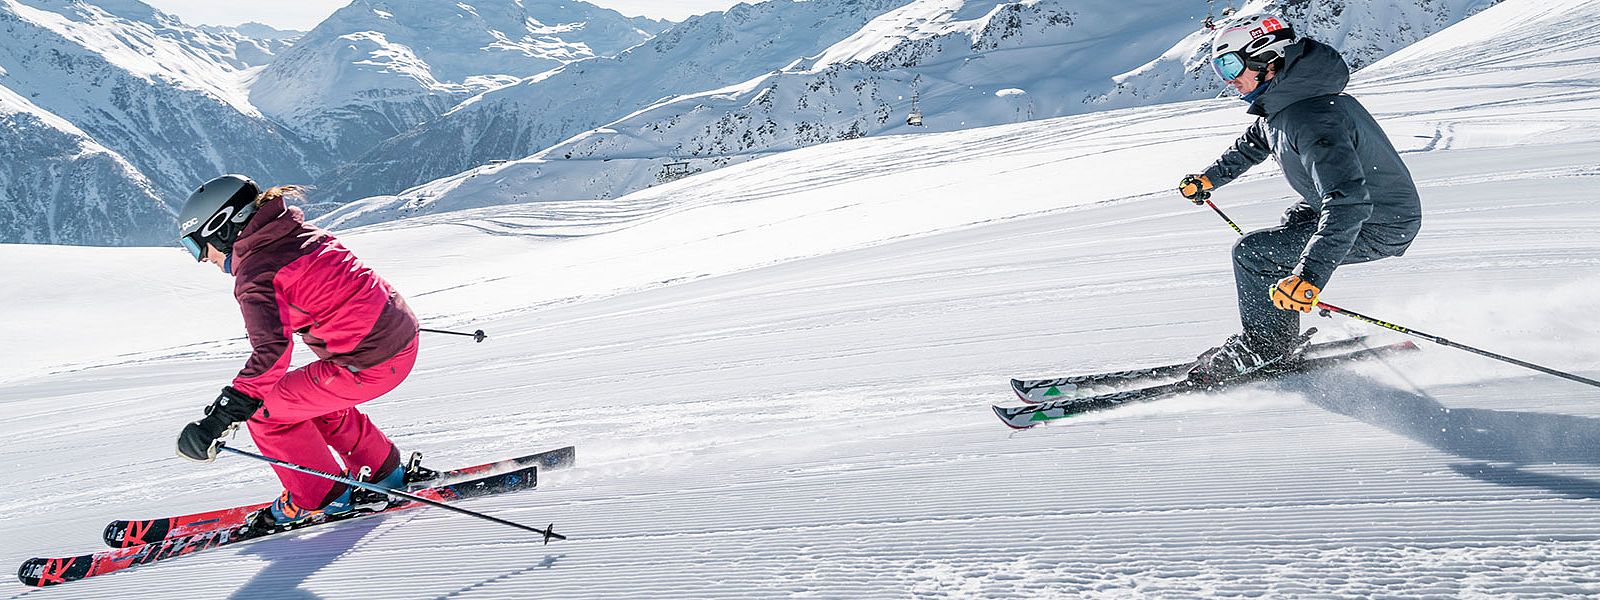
x,y
1502,436
291,562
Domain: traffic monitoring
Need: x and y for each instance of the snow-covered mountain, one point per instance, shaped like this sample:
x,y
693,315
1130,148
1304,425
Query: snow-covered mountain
x,y
256,31
254,44
180,103
514,121
226,45
62,187
376,68
963,63
956,63
1363,30
421,89
778,375
142,85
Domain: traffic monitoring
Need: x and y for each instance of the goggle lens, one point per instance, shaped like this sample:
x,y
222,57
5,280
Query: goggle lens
x,y
1229,66
192,246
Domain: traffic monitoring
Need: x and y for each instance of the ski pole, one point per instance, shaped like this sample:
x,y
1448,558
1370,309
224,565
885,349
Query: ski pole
x,y
548,533
1329,308
1326,308
1206,197
478,335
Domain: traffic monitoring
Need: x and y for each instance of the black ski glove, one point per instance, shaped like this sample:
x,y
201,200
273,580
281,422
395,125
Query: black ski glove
x,y
1300,212
198,442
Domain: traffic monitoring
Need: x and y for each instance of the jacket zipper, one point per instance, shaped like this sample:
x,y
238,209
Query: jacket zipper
x,y
305,312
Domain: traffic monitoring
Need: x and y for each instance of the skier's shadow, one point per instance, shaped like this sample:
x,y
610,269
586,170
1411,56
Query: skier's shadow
x,y
1570,487
548,562
1479,434
290,561
293,560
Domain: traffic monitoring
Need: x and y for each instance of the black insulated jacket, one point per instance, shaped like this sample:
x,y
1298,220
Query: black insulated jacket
x,y
1334,154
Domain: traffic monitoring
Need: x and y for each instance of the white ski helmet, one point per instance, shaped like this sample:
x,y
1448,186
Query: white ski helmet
x,y
1252,42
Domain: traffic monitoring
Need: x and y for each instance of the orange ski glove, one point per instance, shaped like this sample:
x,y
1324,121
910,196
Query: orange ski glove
x,y
1197,188
1294,293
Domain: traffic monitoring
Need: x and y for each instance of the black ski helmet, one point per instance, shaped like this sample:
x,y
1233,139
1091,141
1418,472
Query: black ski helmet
x,y
216,213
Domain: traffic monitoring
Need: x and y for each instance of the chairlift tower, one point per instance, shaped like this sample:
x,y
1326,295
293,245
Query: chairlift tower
x,y
915,118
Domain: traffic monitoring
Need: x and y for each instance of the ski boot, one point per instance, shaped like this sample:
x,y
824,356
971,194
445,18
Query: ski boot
x,y
284,513
416,475
1235,358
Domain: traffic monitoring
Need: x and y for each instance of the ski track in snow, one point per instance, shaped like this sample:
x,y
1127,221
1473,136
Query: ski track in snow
x,y
778,377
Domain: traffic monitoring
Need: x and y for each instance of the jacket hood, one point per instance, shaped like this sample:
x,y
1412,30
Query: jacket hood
x,y
272,221
1310,69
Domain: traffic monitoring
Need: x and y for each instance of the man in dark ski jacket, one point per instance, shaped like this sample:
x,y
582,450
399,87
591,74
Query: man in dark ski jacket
x,y
1358,200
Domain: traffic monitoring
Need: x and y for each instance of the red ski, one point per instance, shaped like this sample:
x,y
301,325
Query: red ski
x,y
41,572
130,533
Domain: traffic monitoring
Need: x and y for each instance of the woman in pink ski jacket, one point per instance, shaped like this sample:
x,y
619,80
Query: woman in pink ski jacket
x,y
294,278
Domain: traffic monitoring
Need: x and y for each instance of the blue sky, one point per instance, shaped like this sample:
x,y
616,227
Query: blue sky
x,y
305,14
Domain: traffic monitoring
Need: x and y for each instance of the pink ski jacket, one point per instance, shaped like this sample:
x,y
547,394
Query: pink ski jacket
x,y
290,277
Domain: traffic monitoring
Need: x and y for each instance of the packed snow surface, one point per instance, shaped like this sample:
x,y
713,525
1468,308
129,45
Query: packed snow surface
x,y
778,375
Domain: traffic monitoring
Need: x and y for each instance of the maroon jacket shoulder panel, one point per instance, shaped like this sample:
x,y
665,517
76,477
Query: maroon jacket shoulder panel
x,y
292,277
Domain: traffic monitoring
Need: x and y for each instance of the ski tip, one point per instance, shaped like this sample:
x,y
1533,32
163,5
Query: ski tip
x,y
1016,388
115,533
1000,411
28,573
127,534
44,572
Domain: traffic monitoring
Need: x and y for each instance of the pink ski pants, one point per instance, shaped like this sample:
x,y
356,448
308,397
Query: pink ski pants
x,y
310,416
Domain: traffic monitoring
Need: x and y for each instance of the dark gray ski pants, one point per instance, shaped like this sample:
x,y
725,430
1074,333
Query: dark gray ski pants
x,y
1260,259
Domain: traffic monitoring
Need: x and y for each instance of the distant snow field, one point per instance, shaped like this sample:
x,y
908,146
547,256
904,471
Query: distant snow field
x,y
778,375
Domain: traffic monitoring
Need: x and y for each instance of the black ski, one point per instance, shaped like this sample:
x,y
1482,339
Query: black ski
x,y
1023,417
1035,391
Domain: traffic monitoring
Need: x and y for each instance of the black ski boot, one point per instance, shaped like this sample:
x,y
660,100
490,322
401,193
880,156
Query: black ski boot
x,y
418,476
1235,358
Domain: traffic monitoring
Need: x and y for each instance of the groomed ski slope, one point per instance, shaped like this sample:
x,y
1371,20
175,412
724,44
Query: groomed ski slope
x,y
778,375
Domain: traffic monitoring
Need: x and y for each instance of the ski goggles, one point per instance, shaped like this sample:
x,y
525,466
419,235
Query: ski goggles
x,y
195,247
1229,66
